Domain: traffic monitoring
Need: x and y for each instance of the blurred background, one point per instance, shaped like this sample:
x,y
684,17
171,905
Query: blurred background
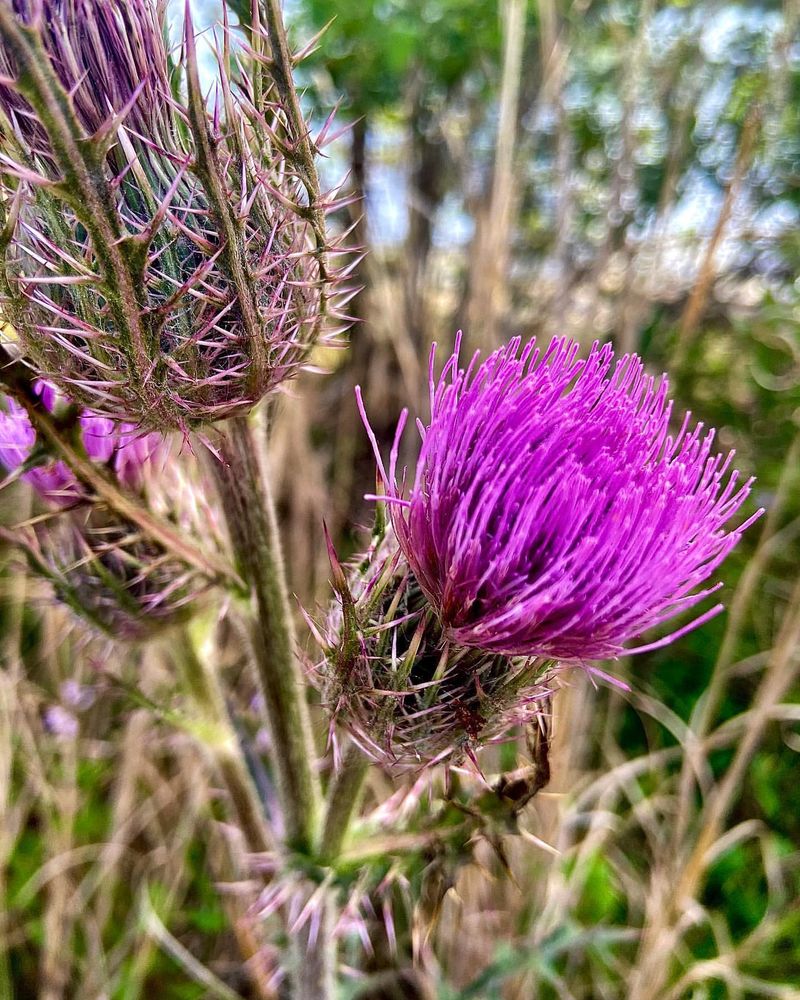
x,y
624,171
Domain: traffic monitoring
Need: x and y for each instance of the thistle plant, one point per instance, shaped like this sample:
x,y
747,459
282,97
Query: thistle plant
x,y
165,265
166,262
101,566
164,257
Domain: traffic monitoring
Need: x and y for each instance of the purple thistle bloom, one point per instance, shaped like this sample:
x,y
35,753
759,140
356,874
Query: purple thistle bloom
x,y
165,265
552,513
121,446
98,564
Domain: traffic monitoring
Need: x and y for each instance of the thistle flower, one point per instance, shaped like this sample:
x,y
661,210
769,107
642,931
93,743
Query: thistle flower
x,y
98,565
553,513
120,446
162,261
408,695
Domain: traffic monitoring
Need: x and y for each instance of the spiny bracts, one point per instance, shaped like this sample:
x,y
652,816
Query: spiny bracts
x,y
163,256
407,694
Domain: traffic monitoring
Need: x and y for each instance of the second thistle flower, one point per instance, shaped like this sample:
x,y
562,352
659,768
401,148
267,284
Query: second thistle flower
x,y
553,510
98,564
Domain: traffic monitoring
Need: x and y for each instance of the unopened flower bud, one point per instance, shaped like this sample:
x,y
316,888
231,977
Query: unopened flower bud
x,y
161,261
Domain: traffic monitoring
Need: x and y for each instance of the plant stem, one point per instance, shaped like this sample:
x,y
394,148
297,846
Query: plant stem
x,y
343,797
223,745
252,526
302,150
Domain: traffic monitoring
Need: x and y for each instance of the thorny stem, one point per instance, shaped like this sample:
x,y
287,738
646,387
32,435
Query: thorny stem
x,y
222,743
252,526
230,227
343,797
17,380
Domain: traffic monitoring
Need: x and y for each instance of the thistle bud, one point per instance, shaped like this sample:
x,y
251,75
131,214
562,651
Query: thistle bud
x,y
98,565
408,695
163,259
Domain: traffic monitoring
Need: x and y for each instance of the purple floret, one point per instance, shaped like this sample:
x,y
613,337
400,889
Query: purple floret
x,y
105,441
553,512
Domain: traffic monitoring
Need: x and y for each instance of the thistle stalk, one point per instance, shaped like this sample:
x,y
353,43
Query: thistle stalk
x,y
249,511
302,151
252,525
344,794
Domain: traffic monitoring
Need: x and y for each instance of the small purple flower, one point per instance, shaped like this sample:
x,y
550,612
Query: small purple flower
x,y
98,564
61,722
553,513
120,445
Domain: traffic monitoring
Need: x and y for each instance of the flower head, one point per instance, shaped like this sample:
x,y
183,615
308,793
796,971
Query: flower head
x,y
99,565
553,513
166,260
119,445
408,695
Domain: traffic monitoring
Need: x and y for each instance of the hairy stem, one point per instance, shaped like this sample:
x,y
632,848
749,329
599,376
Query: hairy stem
x,y
343,797
252,526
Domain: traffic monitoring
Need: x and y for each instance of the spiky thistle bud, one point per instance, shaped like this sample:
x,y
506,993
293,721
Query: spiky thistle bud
x,y
408,695
163,260
100,566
